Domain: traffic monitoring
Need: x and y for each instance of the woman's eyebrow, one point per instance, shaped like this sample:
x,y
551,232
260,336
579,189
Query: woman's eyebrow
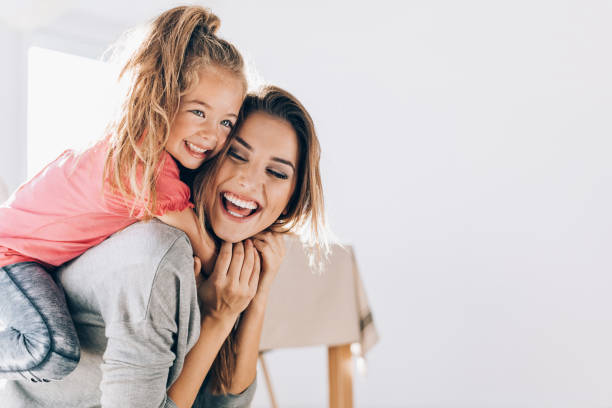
x,y
276,159
243,142
287,162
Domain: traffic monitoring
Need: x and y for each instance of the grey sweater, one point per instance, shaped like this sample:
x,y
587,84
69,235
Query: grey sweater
x,y
134,303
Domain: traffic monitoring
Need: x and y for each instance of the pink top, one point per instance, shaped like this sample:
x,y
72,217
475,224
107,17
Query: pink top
x,y
61,212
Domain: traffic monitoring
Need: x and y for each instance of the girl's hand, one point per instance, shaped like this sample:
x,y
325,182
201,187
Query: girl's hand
x,y
271,246
197,268
233,282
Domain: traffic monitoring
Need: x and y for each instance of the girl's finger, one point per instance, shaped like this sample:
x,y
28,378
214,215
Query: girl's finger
x,y
223,260
197,267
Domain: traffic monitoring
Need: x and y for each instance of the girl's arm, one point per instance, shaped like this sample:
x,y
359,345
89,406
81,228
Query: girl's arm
x,y
225,294
272,249
202,244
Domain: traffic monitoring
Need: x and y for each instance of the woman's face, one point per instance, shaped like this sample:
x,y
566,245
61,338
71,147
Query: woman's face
x,y
256,179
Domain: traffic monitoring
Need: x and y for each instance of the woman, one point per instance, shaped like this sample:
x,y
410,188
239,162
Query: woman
x,y
144,341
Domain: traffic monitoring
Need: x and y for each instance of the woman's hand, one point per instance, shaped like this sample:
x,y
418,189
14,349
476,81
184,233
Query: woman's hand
x,y
271,246
233,282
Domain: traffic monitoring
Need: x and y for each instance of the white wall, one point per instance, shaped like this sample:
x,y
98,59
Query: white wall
x,y
12,107
466,157
467,154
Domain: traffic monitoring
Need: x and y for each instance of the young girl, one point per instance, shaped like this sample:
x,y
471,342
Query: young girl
x,y
185,93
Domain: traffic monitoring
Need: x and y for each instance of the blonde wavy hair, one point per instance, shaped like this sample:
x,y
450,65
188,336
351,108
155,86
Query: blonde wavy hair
x,y
179,43
304,213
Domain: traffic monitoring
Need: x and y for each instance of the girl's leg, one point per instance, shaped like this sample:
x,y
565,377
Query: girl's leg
x,y
38,341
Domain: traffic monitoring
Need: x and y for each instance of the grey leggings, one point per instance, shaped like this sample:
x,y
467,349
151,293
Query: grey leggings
x,y
38,341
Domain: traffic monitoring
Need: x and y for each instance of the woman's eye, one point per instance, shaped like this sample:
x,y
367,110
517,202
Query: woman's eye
x,y
198,113
278,174
227,123
235,155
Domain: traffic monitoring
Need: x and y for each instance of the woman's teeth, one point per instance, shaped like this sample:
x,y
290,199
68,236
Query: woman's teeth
x,y
195,148
251,205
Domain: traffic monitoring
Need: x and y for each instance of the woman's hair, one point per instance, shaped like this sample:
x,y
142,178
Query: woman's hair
x,y
179,44
305,211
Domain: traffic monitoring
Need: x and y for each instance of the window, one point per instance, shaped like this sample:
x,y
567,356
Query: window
x,y
70,101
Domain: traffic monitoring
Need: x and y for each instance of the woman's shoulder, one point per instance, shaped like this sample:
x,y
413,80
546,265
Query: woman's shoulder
x,y
123,273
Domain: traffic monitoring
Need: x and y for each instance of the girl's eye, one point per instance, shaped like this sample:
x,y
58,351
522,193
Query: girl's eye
x,y
235,155
227,123
198,113
278,174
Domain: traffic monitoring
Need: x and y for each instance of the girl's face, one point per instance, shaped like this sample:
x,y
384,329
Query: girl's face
x,y
256,179
205,117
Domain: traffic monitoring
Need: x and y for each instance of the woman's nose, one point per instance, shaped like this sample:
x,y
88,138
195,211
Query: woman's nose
x,y
248,178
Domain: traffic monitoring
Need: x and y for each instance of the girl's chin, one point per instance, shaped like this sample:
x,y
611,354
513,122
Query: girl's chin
x,y
191,165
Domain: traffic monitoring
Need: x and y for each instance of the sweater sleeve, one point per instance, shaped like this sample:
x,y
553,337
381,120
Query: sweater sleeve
x,y
152,323
150,328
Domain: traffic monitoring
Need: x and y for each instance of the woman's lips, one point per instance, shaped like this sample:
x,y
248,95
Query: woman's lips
x,y
237,209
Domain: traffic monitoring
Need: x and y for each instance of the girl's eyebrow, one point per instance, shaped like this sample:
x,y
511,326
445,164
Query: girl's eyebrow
x,y
276,159
207,106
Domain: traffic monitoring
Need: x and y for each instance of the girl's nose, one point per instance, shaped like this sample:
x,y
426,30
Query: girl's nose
x,y
210,132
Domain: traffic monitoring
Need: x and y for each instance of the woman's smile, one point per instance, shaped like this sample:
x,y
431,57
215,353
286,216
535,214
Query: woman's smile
x,y
238,208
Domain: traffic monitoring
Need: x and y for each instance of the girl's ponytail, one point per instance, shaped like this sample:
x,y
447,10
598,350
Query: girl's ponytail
x,y
179,43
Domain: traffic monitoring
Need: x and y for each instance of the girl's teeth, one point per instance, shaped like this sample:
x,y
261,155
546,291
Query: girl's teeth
x,y
251,205
236,214
195,148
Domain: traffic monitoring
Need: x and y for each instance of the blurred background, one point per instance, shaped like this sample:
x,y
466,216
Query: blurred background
x,y
466,157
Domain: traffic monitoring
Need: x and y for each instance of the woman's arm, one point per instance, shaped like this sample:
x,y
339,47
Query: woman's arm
x,y
272,249
248,337
225,294
202,244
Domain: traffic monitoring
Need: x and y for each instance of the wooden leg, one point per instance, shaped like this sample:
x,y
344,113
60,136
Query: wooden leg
x,y
340,376
264,367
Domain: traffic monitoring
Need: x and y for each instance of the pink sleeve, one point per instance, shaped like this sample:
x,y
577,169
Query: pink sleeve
x,y
172,193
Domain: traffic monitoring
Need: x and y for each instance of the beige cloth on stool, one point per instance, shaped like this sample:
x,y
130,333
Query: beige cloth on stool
x,y
310,309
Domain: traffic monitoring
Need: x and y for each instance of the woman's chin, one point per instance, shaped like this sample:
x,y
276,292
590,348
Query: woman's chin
x,y
229,236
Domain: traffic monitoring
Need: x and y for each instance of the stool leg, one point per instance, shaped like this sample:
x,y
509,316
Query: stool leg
x,y
340,376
